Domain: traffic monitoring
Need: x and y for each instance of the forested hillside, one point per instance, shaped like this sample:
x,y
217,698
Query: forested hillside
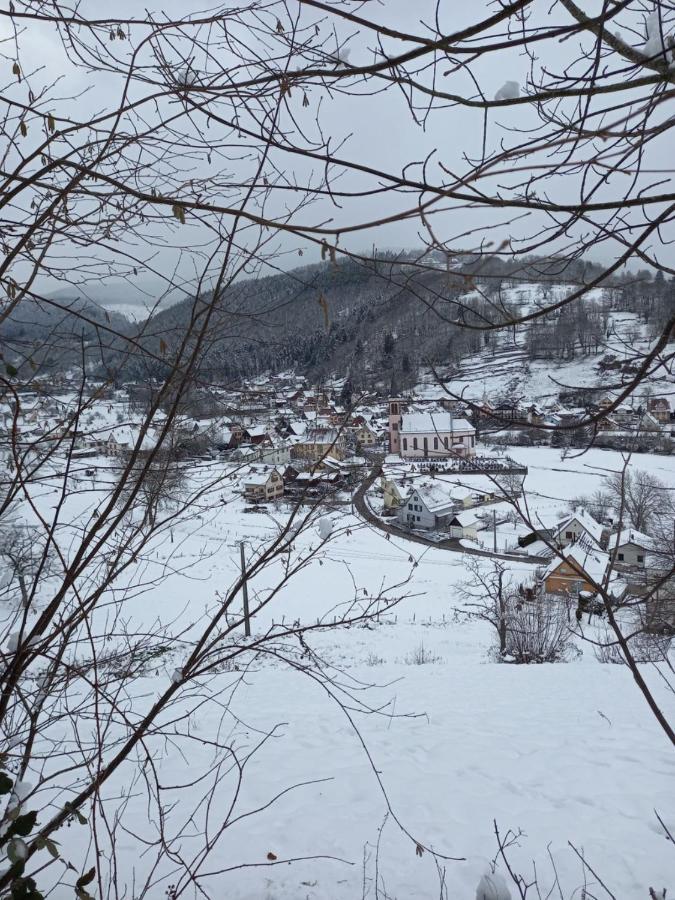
x,y
379,323
382,324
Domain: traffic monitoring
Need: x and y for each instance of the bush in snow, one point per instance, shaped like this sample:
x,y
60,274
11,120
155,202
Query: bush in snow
x,y
537,632
644,647
420,656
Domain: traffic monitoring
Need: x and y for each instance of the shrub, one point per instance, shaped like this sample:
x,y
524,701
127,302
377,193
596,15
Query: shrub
x,y
537,632
420,656
645,648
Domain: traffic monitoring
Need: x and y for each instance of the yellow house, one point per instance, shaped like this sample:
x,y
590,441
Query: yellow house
x,y
391,496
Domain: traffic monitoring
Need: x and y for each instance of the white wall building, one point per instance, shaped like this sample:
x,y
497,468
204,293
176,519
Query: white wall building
x,y
433,435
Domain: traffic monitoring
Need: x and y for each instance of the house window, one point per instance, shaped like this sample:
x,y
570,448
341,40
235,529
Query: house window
x,y
473,441
426,445
569,535
394,409
394,426
435,443
620,557
414,443
641,559
460,440
410,506
445,442
405,443
418,518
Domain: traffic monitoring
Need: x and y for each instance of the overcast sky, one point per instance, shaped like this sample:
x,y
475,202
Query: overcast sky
x,y
378,129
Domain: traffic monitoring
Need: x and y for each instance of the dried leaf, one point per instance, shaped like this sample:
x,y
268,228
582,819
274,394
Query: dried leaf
x,y
271,856
51,123
419,850
280,27
24,129
16,70
305,100
87,878
178,213
52,848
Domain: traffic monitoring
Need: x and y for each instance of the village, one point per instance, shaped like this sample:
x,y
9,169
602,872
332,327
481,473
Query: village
x,y
427,467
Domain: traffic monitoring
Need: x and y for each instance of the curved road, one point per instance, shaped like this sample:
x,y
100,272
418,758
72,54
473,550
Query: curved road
x,y
451,544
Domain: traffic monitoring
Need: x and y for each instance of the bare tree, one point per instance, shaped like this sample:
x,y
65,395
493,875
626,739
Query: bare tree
x,y
644,498
490,594
193,150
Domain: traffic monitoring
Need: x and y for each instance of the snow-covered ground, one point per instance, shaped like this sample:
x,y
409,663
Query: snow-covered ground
x,y
504,367
438,740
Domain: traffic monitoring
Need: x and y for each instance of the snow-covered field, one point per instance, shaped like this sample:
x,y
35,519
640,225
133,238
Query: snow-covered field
x,y
437,745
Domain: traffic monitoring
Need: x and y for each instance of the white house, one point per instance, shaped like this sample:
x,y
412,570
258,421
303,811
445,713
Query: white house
x,y
427,507
631,547
464,524
575,526
274,456
430,435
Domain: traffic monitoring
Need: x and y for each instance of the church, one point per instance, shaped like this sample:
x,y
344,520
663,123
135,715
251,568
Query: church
x,y
429,435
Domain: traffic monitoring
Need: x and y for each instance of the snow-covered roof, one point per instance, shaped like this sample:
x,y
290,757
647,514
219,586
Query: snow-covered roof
x,y
258,479
257,431
467,518
591,561
586,521
436,422
435,497
630,536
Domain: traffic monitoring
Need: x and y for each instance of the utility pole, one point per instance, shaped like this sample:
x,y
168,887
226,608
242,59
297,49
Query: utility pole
x,y
494,530
244,586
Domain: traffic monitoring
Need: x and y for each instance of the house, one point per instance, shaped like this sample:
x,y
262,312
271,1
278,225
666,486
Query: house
x,y
659,408
631,547
464,525
507,411
427,507
123,440
319,442
290,474
365,436
391,496
535,415
263,485
430,435
274,456
258,435
582,567
576,526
